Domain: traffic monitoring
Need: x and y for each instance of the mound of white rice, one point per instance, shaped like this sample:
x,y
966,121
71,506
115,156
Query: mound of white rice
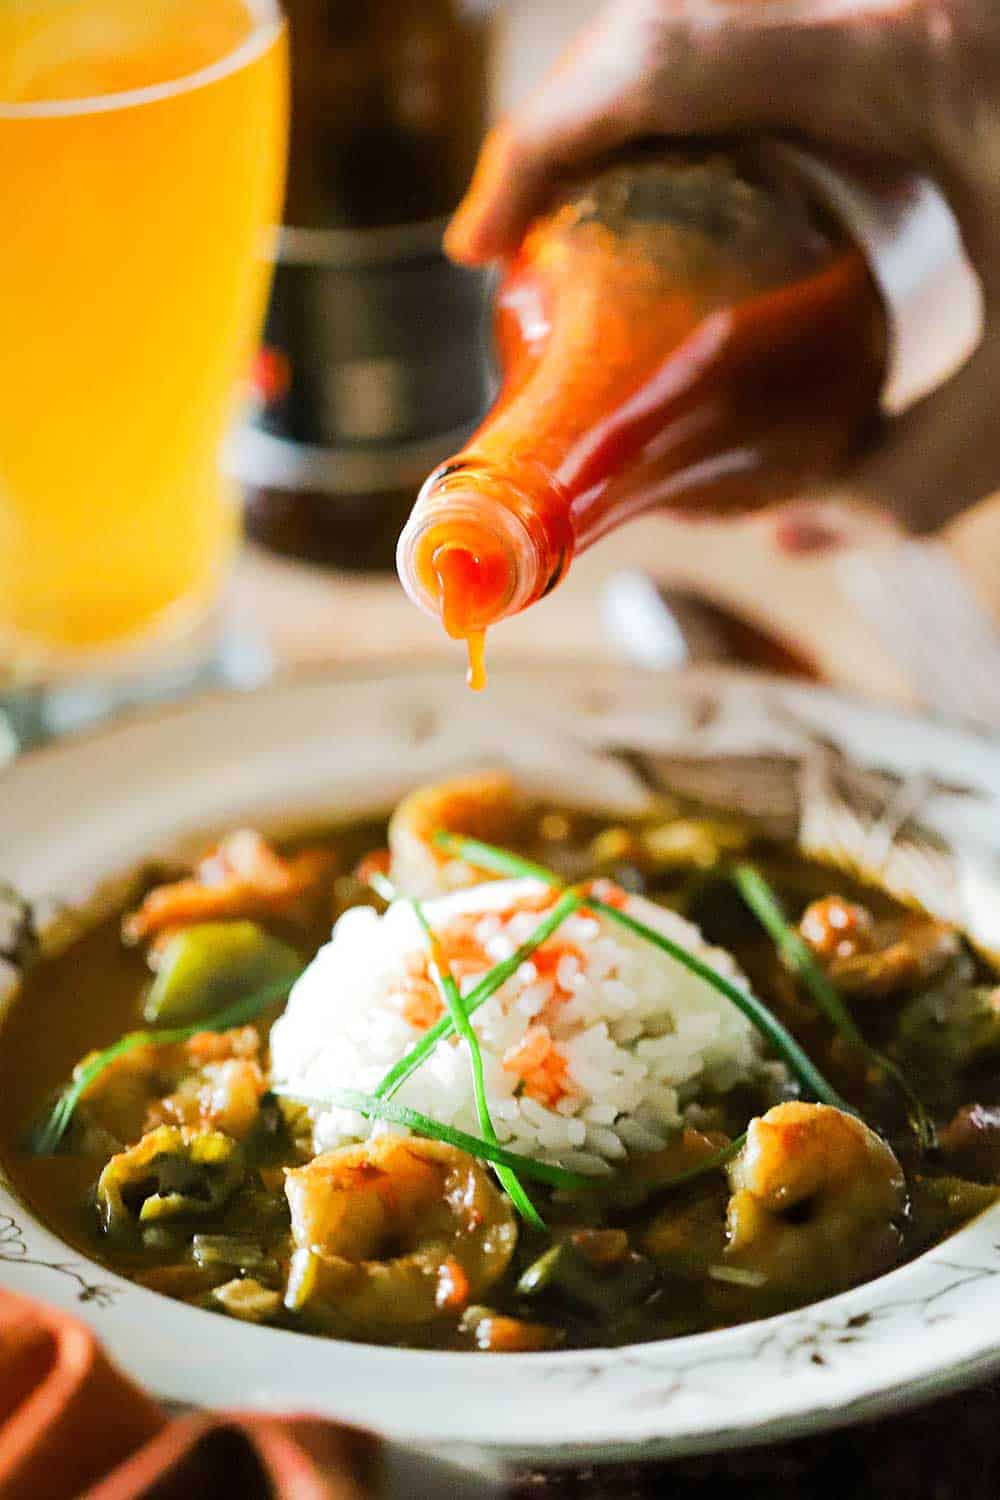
x,y
638,1038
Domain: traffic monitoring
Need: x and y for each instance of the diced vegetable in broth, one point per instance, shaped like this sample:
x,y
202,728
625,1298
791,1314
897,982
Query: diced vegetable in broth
x,y
202,968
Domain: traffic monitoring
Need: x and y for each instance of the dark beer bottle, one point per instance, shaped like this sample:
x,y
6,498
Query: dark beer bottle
x,y
372,366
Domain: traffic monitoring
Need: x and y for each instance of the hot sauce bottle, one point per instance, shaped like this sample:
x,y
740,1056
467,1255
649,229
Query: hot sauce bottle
x,y
706,329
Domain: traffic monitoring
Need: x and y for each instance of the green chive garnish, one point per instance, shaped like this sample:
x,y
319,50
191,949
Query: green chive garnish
x,y
720,1158
49,1134
452,997
501,862
794,949
397,1075
374,1108
708,1164
796,952
755,1010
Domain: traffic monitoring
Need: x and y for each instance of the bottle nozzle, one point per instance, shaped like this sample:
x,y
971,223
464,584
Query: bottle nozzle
x,y
466,554
476,550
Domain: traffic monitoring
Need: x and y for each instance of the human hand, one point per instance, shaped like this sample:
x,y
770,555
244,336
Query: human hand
x,y
914,80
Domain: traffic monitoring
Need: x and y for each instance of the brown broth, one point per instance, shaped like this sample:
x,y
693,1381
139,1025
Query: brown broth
x,y
91,993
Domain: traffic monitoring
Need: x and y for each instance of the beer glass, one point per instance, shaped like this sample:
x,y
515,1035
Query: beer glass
x,y
142,153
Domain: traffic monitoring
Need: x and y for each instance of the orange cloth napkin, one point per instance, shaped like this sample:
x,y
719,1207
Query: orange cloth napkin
x,y
71,1424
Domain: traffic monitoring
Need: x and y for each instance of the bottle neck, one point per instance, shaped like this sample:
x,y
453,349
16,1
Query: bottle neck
x,y
720,393
480,546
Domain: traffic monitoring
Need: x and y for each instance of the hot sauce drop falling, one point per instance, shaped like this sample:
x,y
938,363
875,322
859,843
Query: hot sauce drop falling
x,y
462,583
475,643
690,330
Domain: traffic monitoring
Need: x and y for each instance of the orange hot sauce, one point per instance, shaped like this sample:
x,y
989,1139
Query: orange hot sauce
x,y
689,329
461,580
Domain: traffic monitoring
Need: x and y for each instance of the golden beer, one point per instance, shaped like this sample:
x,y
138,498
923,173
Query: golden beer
x,y
142,148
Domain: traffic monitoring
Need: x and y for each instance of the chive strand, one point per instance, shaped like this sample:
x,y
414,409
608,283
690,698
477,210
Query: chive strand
x,y
708,1164
502,862
490,857
488,986
50,1133
793,948
460,1021
374,1108
760,1015
720,1158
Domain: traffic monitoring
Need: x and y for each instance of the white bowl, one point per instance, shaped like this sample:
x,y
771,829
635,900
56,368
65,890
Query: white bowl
x,y
924,806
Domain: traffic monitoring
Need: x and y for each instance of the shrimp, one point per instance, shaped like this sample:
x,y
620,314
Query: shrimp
x,y
876,959
214,1080
241,877
117,1103
394,1233
222,1096
816,1202
486,806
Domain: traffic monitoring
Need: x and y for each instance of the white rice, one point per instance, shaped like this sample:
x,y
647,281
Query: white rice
x,y
642,1038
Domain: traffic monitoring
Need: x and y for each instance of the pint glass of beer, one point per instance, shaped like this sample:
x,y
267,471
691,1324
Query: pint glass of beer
x,y
142,152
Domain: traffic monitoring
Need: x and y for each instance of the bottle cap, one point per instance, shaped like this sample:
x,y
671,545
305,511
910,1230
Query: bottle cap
x,y
906,228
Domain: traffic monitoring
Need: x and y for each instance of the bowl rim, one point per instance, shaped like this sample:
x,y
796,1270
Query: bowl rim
x,y
770,1351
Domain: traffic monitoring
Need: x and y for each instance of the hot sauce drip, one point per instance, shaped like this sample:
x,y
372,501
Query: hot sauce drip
x,y
688,330
475,643
466,588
